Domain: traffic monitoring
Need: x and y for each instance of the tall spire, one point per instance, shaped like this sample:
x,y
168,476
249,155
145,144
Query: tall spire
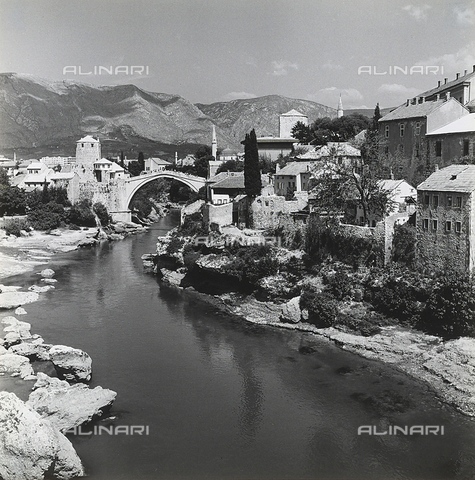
x,y
214,144
339,112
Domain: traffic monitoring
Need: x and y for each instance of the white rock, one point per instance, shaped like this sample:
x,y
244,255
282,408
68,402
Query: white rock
x,y
10,300
20,311
71,363
68,406
38,289
15,365
30,447
291,311
47,273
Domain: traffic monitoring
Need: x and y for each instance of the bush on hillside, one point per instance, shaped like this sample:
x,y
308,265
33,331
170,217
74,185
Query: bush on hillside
x,y
13,201
47,216
81,214
14,226
322,308
102,214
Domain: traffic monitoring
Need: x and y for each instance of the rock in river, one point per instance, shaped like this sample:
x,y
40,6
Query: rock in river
x,y
30,447
68,406
291,311
71,364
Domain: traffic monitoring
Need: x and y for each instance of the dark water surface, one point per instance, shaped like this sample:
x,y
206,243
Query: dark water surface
x,y
226,400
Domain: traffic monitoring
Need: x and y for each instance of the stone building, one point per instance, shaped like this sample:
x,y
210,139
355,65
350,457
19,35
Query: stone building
x,y
445,223
288,120
452,142
294,176
404,129
88,151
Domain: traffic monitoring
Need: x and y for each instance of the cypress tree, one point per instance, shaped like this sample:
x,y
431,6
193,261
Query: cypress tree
x,y
252,175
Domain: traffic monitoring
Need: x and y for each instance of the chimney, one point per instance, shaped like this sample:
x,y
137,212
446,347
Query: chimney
x,y
408,102
465,73
447,96
438,84
445,80
277,167
436,167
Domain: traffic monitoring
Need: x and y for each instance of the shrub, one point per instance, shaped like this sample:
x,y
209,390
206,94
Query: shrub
x,y
81,214
102,214
450,309
339,285
322,308
193,225
175,245
13,201
14,226
404,244
47,216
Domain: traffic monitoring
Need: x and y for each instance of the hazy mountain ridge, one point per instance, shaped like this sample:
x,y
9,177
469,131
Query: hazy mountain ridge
x,y
261,113
50,116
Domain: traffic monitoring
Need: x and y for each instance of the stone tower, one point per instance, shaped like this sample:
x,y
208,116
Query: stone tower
x,y
88,151
287,122
339,112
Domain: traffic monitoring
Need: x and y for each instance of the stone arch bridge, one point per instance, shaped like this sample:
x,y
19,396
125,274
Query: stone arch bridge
x,y
128,187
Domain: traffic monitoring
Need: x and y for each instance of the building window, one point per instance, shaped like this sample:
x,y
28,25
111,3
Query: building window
x,y
458,227
82,145
438,148
448,226
417,130
400,148
386,150
434,224
465,148
458,202
417,154
425,224
401,129
449,200
426,199
92,145
386,131
435,201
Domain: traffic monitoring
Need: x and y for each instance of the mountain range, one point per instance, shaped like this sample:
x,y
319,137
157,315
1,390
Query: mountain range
x,y
42,117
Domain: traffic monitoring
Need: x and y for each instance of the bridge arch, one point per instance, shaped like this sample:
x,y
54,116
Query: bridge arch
x,y
134,184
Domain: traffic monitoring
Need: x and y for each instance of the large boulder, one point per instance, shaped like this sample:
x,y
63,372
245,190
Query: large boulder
x,y
32,350
16,331
171,277
16,366
71,364
30,447
11,300
68,406
47,273
291,311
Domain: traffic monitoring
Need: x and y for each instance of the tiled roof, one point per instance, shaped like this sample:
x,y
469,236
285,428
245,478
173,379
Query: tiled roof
x,y
447,85
389,185
295,168
461,125
36,166
293,113
412,111
454,178
231,182
159,161
88,139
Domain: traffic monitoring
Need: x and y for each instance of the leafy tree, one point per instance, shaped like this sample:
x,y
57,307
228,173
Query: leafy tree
x,y
266,165
338,186
134,168
81,214
101,211
450,309
13,201
4,180
141,161
302,132
252,175
47,216
231,166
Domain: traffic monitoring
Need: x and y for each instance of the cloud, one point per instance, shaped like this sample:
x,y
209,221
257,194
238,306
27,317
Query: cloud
x,y
417,12
239,95
332,66
396,89
453,62
330,96
281,67
465,16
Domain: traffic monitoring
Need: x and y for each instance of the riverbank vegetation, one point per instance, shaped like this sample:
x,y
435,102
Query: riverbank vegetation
x,y
340,279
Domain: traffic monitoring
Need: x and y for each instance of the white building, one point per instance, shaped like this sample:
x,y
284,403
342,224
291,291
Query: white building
x,y
155,164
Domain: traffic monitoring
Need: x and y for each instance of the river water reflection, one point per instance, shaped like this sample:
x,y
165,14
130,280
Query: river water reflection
x,y
227,400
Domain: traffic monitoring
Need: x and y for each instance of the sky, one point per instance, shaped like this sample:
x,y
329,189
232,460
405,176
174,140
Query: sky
x,y
218,50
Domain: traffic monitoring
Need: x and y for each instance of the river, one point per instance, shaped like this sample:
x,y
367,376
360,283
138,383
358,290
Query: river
x,y
223,399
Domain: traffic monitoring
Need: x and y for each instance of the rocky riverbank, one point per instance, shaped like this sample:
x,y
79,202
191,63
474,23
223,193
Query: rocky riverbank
x,y
25,253
33,444
447,366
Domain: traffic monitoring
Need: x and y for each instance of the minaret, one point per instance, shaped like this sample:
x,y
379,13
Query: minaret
x,y
214,145
339,112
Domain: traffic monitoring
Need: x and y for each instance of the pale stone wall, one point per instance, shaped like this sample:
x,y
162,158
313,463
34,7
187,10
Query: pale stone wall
x,y
439,249
265,210
220,214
